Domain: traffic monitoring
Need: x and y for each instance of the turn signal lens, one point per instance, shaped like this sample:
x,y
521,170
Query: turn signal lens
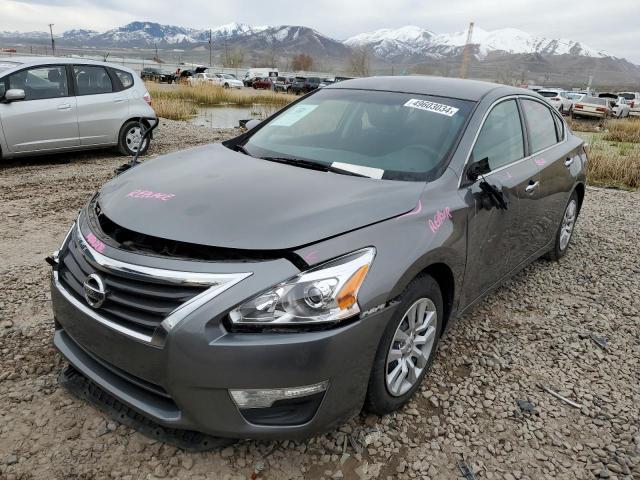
x,y
348,296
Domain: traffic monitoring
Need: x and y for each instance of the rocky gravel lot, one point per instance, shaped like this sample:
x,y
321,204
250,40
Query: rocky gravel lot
x,y
541,329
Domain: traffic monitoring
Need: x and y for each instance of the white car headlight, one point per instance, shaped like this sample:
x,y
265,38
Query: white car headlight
x,y
326,293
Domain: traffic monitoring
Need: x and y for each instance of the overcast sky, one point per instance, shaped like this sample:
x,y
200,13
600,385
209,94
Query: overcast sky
x,y
612,26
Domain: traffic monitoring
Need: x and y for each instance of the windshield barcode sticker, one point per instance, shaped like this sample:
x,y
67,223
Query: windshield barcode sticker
x,y
432,107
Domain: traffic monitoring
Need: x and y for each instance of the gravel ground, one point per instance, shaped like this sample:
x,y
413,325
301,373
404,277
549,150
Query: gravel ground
x,y
535,330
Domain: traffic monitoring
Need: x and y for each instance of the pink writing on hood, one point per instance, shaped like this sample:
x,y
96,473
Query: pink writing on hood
x,y
97,245
150,195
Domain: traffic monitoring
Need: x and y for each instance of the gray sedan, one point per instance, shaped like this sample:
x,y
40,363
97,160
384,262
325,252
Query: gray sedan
x,y
52,105
274,285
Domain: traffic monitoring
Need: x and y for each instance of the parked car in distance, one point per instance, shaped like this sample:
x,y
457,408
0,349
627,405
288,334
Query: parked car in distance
x,y
633,99
255,73
156,75
326,82
558,99
591,107
262,84
56,104
224,80
283,84
303,85
379,211
618,105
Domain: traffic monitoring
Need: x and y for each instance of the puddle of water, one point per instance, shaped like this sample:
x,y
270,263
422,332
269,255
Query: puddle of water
x,y
224,116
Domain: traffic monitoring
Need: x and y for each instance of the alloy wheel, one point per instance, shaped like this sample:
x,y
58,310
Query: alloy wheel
x,y
568,221
411,347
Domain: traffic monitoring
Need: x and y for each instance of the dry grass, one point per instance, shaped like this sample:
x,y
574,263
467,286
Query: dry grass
x,y
174,109
613,164
623,130
582,125
211,95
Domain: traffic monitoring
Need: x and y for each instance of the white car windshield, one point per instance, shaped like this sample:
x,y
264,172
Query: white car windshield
x,y
389,135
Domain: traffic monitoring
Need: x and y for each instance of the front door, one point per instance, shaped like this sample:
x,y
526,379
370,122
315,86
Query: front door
x,y
47,117
495,233
101,109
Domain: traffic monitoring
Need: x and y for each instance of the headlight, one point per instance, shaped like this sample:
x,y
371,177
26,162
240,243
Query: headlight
x,y
326,293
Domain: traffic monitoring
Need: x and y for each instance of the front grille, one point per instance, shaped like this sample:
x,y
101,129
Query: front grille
x,y
133,303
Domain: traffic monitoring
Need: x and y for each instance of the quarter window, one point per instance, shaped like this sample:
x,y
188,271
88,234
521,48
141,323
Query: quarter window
x,y
542,127
501,140
126,79
41,82
91,80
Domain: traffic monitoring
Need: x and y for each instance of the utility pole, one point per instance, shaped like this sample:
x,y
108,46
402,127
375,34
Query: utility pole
x,y
53,42
210,45
466,53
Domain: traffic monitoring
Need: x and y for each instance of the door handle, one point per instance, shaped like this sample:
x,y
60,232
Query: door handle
x,y
64,106
532,186
568,162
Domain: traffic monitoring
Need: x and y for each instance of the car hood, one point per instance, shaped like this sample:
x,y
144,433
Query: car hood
x,y
214,196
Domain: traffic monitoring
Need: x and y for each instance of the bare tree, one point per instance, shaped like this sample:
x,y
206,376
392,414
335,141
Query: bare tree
x,y
233,58
302,61
359,61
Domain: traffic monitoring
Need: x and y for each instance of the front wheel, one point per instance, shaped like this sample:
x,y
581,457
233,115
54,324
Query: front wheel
x,y
129,139
565,230
407,348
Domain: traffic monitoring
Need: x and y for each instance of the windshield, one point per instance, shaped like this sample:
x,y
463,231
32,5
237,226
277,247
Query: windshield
x,y
575,96
548,93
7,65
628,96
397,136
229,76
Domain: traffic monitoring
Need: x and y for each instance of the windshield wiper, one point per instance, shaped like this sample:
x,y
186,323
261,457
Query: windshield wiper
x,y
323,167
241,149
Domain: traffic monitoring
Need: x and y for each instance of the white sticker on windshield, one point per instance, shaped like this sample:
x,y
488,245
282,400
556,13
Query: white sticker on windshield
x,y
370,172
432,107
293,115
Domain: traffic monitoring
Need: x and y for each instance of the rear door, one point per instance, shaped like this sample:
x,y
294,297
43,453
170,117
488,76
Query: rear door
x,y
47,118
559,164
495,236
102,109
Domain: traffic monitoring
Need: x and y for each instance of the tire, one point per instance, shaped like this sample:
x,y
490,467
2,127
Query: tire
x,y
563,237
386,392
561,110
226,85
127,136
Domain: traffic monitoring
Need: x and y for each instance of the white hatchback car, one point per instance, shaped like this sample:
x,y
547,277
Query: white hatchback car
x,y
558,99
50,104
633,99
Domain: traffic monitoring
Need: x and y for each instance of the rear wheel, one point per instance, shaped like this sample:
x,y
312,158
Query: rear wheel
x,y
407,348
226,85
565,230
129,139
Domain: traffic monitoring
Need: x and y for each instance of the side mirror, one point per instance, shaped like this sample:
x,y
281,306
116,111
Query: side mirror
x,y
14,95
478,168
252,124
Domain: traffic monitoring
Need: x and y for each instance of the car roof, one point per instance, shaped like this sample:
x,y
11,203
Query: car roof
x,y
33,61
426,85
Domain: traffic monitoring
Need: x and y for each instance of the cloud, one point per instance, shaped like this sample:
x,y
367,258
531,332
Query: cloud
x,y
601,26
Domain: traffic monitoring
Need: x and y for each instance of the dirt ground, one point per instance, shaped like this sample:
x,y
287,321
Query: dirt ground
x,y
536,330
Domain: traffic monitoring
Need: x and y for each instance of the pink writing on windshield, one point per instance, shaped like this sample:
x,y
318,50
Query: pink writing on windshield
x,y
97,245
438,219
151,195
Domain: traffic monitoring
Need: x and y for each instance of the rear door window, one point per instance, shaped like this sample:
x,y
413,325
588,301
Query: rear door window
x,y
501,140
91,80
541,125
40,83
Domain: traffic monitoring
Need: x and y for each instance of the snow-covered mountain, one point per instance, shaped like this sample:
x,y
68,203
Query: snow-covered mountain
x,y
416,41
387,42
408,44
